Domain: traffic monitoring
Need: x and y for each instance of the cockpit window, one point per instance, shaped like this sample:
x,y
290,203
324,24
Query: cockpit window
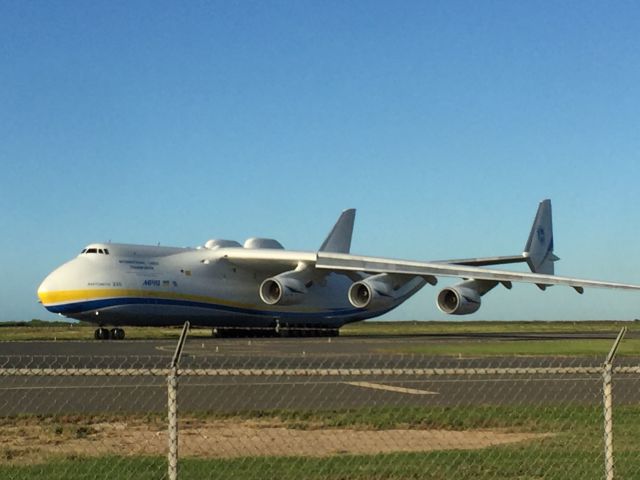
x,y
101,251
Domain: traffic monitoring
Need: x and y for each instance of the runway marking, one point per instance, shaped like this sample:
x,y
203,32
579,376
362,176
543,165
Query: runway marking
x,y
377,386
391,388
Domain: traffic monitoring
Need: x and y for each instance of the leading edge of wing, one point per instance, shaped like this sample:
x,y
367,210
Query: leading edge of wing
x,y
261,259
335,261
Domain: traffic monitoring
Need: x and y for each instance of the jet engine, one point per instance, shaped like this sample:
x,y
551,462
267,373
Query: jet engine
x,y
458,300
463,298
372,292
288,288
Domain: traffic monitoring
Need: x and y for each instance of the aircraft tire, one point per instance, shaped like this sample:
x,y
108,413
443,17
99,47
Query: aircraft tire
x,y
102,334
309,332
217,333
117,334
284,332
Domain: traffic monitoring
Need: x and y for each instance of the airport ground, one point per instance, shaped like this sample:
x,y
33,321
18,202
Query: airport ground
x,y
532,403
485,338
402,352
403,345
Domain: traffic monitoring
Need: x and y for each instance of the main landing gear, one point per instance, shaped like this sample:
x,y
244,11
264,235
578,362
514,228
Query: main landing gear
x,y
106,334
231,332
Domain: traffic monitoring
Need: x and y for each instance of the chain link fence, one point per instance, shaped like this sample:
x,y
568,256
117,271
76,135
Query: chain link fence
x,y
256,416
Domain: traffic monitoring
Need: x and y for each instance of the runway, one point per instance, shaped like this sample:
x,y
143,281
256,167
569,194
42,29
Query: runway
x,y
262,350
90,394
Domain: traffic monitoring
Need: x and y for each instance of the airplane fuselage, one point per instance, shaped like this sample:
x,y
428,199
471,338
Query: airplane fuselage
x,y
120,284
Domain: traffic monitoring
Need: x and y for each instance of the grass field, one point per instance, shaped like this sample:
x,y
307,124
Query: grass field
x,y
39,330
471,327
572,450
466,348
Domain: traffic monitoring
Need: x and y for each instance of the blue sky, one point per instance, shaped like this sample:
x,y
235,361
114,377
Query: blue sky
x,y
444,123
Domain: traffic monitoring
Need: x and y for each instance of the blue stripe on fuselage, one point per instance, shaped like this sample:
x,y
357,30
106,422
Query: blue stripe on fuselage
x,y
92,305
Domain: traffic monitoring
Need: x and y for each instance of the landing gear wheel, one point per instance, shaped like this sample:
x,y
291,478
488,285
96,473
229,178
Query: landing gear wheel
x,y
117,334
102,334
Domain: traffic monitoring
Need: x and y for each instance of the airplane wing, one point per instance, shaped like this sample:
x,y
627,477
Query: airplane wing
x,y
338,262
334,255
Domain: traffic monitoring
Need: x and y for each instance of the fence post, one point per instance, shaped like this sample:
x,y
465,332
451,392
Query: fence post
x,y
607,381
172,405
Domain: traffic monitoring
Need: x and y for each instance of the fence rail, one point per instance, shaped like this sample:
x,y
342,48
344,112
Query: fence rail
x,y
302,372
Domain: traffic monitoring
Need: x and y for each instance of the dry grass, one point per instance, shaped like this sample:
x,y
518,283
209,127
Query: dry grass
x,y
30,441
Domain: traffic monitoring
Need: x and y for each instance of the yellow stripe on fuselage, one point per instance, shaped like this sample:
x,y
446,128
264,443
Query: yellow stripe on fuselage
x,y
58,297
69,296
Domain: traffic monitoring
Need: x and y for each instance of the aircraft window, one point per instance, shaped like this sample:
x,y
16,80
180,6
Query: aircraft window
x,y
83,251
106,251
92,250
101,251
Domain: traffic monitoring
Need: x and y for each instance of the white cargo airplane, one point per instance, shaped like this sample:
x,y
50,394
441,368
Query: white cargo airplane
x,y
262,286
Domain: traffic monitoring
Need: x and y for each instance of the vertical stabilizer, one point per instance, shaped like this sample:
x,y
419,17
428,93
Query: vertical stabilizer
x,y
339,239
539,248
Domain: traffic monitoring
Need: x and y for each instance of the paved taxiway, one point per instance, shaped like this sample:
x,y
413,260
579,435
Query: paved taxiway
x,y
229,393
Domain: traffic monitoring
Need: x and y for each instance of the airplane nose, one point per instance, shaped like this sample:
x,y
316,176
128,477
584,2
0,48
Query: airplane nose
x,y
52,284
45,287
55,287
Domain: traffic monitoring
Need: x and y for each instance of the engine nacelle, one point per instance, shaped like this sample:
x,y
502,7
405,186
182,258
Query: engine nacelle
x,y
459,300
288,288
372,292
